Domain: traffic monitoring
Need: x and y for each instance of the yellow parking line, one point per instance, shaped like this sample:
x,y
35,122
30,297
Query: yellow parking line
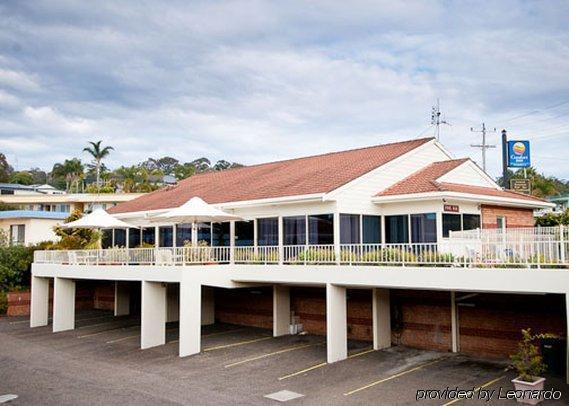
x,y
493,381
135,336
219,333
78,320
392,377
105,331
323,364
270,354
220,347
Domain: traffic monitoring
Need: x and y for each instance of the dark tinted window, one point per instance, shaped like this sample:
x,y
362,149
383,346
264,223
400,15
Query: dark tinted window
x,y
244,233
321,229
470,221
268,231
294,230
424,227
451,222
396,229
371,229
349,229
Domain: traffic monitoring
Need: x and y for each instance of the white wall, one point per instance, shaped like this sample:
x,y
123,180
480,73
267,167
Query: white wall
x,y
37,230
467,174
355,197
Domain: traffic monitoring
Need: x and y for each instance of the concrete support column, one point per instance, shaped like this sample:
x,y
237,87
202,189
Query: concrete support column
x,y
153,314
39,306
381,319
337,236
281,310
208,306
336,323
122,298
453,322
63,304
190,320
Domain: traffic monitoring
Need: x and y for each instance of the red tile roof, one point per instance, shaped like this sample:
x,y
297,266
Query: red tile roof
x,y
293,177
425,181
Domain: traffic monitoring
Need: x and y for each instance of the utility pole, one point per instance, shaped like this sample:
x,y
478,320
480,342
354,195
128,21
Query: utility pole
x,y
483,146
505,160
436,120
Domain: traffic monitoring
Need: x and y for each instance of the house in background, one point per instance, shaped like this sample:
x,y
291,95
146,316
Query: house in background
x,y
17,189
36,213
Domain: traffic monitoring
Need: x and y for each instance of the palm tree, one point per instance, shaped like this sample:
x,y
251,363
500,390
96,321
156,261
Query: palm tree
x,y
71,171
98,154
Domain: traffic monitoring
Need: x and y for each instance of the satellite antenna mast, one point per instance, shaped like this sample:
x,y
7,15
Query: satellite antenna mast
x,y
436,120
483,146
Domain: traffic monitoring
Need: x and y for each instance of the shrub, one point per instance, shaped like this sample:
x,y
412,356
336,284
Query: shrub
x,y
15,262
3,302
527,361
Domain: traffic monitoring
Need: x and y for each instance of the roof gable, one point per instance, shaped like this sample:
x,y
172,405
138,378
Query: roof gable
x,y
294,177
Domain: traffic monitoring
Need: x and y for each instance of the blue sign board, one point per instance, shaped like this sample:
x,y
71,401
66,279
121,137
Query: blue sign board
x,y
518,154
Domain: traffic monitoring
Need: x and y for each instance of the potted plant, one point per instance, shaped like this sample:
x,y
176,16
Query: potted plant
x,y
529,364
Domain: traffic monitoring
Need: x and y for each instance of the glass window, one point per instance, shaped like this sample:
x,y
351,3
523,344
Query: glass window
x,y
204,232
470,221
321,229
220,235
294,230
134,238
120,237
268,231
18,234
424,227
371,229
183,234
148,236
396,229
349,229
451,222
501,223
106,238
244,233
166,235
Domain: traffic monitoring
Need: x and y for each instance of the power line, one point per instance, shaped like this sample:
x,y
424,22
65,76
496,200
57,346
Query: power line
x,y
484,146
537,111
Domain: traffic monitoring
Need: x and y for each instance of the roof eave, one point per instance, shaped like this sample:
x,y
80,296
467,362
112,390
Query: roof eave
x,y
504,201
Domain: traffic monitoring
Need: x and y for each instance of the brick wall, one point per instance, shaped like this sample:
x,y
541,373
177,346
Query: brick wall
x,y
515,217
492,327
89,295
489,326
421,319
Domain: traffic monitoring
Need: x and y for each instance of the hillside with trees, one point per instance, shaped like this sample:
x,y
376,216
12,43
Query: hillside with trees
x,y
75,175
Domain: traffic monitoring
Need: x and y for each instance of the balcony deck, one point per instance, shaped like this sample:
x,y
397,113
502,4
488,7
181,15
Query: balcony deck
x,y
456,254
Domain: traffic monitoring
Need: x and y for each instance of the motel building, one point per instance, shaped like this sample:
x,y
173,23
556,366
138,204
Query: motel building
x,y
396,244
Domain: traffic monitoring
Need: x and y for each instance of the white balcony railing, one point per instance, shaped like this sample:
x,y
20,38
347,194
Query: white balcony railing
x,y
450,253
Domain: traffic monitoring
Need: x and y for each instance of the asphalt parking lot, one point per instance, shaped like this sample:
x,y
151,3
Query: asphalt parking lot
x,y
100,362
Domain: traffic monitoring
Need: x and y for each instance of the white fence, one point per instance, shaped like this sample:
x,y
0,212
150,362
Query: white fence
x,y
464,252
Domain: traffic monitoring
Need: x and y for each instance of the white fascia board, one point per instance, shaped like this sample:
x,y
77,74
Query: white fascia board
x,y
442,148
314,197
147,214
332,194
504,201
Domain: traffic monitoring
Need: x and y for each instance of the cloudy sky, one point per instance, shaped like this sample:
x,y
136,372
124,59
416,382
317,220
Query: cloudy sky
x,y
252,81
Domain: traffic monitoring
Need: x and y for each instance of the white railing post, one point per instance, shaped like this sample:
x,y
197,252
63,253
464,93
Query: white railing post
x,y
562,243
337,252
280,230
232,242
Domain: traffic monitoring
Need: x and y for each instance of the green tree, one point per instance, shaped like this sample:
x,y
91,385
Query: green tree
x,y
98,153
184,171
22,178
5,169
71,171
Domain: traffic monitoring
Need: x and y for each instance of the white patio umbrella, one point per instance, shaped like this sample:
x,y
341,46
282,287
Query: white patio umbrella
x,y
195,211
98,219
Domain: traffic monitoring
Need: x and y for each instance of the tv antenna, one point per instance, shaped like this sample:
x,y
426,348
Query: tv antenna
x,y
484,146
436,120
